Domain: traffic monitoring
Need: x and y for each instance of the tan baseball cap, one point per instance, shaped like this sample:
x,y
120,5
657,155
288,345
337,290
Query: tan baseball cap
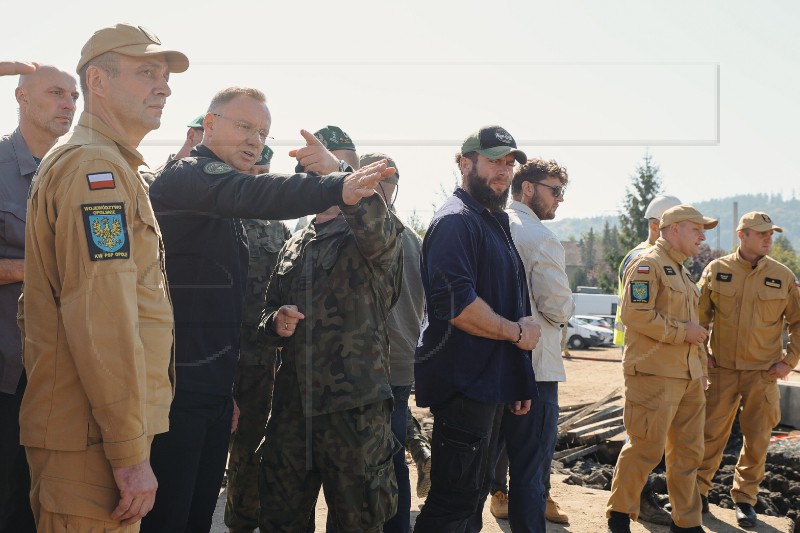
x,y
758,221
130,40
682,212
368,159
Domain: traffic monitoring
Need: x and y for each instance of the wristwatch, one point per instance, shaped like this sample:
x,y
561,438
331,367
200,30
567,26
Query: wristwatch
x,y
344,167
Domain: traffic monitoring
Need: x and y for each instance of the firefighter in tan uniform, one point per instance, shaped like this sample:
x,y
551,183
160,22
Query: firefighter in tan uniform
x,y
95,312
747,295
665,371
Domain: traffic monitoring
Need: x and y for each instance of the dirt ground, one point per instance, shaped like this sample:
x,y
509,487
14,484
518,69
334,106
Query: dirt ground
x,y
591,375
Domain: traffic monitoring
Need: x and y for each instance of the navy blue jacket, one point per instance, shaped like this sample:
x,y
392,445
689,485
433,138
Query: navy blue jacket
x,y
468,253
198,202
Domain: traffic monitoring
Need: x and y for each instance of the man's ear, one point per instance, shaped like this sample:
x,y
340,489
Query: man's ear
x,y
464,165
96,80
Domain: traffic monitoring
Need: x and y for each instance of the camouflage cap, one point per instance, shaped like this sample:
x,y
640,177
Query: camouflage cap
x,y
197,122
266,156
758,221
368,159
333,138
130,40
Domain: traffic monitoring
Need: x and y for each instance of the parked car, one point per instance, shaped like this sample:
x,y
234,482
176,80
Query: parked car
x,y
582,335
606,322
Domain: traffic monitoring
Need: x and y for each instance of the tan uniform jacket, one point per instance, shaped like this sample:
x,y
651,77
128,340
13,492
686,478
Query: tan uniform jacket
x,y
747,306
659,299
95,313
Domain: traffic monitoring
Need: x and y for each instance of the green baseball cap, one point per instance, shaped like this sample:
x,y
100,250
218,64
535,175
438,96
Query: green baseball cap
x,y
333,138
493,142
266,156
368,159
197,123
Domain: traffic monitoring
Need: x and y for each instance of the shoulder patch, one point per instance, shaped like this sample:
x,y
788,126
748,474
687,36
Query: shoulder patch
x,y
642,269
640,292
668,270
101,180
724,276
106,231
772,282
217,167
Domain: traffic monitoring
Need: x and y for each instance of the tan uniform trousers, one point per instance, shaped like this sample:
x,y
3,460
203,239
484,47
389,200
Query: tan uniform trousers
x,y
661,414
74,491
761,411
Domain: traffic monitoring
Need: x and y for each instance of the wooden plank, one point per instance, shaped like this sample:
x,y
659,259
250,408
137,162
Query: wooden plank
x,y
589,428
563,453
611,411
603,435
575,418
580,453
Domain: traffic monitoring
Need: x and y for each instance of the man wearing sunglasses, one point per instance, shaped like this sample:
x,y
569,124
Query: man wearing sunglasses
x,y
528,441
199,201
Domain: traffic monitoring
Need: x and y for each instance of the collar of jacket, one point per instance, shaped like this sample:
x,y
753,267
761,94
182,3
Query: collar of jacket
x,y
673,253
520,207
97,126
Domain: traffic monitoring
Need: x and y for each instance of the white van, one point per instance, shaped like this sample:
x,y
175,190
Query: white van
x,y
582,335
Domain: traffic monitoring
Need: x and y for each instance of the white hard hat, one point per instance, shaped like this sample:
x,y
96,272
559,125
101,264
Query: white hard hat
x,y
659,204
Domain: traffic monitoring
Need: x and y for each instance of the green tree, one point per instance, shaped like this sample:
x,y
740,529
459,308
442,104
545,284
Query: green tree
x,y
579,277
698,263
783,251
645,186
588,258
415,223
612,257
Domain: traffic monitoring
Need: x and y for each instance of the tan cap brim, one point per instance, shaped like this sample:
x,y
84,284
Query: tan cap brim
x,y
176,61
763,227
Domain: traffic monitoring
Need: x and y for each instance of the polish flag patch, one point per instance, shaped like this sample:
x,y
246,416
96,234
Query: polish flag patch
x,y
643,269
101,180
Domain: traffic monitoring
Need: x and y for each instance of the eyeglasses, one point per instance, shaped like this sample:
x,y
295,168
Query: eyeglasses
x,y
246,128
558,190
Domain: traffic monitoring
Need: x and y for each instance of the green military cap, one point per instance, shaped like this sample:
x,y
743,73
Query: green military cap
x,y
333,138
368,159
493,142
197,123
266,156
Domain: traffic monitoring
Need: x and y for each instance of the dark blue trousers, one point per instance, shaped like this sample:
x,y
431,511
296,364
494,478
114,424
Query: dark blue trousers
x,y
465,433
530,442
189,462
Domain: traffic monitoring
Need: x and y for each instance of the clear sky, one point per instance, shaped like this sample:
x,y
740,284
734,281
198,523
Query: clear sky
x,y
709,88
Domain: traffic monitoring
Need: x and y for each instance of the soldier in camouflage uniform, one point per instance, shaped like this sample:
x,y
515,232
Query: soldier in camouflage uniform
x,y
327,305
255,375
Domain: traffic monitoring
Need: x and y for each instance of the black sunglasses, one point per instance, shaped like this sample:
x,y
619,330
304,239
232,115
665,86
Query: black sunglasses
x,y
558,190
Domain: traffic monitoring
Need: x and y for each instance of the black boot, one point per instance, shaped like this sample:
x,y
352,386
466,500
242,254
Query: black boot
x,y
649,510
619,523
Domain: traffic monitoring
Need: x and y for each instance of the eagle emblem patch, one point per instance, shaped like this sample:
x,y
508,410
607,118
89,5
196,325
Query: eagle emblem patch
x,y
106,231
640,292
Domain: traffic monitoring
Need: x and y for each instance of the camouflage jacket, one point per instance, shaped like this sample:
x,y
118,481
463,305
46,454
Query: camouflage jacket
x,y
265,239
344,276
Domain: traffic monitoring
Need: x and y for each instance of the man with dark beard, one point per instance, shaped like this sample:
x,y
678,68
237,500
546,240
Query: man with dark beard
x,y
529,440
473,357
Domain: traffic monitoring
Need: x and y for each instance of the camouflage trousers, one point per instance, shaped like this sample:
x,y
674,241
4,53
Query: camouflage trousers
x,y
253,394
348,453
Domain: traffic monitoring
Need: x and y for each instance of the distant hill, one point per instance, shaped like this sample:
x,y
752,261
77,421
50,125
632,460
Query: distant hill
x,y
783,212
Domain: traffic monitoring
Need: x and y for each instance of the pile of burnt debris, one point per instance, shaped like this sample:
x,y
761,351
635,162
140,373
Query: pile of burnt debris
x,y
591,436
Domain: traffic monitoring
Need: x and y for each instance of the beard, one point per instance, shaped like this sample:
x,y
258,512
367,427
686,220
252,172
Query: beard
x,y
480,190
538,206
